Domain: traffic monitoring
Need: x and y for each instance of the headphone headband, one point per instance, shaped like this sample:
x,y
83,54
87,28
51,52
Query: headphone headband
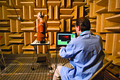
x,y
41,16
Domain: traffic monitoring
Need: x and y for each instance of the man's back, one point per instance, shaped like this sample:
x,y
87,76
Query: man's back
x,y
86,57
85,53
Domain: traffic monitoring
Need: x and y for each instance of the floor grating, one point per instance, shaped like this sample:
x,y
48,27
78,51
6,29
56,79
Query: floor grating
x,y
19,68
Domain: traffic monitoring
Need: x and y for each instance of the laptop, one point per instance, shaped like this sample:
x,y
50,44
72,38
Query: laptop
x,y
63,38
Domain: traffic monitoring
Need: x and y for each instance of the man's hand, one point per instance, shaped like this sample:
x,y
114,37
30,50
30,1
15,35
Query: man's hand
x,y
61,47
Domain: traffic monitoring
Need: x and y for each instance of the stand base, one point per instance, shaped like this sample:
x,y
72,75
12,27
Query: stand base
x,y
32,68
50,68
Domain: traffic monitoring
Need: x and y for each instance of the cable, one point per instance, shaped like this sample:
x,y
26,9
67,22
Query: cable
x,y
14,8
65,62
19,18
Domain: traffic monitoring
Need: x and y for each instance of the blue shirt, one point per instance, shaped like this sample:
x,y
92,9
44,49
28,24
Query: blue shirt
x,y
86,55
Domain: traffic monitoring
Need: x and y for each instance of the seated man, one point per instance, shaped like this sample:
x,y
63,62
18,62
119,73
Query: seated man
x,y
85,53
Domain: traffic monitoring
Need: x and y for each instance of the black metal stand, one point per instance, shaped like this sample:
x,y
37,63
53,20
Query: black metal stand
x,y
48,47
56,59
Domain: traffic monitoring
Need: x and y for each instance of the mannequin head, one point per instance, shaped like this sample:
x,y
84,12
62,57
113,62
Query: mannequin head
x,y
40,16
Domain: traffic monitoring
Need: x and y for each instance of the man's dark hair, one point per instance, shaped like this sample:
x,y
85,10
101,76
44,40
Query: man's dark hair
x,y
83,23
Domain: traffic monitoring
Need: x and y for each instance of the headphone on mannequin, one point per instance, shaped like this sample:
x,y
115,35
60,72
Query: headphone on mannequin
x,y
41,16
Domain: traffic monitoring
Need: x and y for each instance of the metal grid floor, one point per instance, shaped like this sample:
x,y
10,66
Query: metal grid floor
x,y
19,68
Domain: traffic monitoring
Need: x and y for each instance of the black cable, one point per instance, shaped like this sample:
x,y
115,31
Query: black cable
x,y
65,62
14,8
19,18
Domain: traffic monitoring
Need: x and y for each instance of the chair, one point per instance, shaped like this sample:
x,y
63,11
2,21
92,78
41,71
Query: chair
x,y
99,75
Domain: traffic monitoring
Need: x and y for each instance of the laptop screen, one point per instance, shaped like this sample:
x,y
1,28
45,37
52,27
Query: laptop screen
x,y
63,38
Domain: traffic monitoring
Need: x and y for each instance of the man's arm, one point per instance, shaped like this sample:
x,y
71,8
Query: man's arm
x,y
68,51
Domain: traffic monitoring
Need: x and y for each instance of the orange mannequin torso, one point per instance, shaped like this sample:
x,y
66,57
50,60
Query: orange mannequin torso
x,y
40,29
